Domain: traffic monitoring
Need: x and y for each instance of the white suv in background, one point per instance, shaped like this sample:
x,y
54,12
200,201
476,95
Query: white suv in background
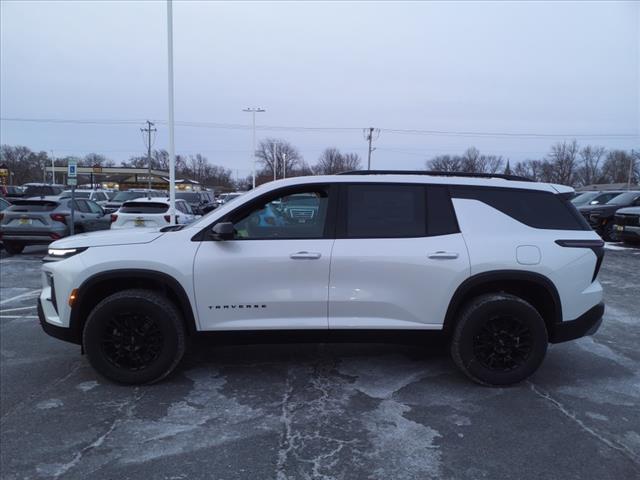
x,y
500,266
150,213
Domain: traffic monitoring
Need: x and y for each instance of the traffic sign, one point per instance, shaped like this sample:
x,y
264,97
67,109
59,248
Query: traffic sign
x,y
72,169
72,181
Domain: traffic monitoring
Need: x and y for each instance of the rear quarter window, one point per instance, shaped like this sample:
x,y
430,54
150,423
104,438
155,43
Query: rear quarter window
x,y
534,208
144,207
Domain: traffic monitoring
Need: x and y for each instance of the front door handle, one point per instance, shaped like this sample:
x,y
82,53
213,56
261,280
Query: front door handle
x,y
441,255
305,256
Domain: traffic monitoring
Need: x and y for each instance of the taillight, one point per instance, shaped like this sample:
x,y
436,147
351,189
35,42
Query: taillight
x,y
167,218
55,236
58,217
1,216
114,217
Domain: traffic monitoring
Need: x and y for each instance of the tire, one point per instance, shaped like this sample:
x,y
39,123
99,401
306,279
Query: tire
x,y
134,337
499,339
13,248
608,235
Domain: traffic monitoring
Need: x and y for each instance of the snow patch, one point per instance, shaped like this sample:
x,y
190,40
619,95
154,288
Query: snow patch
x,y
48,404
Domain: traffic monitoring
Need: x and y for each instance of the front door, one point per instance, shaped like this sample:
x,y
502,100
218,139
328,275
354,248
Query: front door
x,y
274,273
397,258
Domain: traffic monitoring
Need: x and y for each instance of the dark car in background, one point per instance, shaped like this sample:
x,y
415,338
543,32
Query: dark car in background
x,y
42,190
41,221
601,217
627,224
595,198
200,202
11,191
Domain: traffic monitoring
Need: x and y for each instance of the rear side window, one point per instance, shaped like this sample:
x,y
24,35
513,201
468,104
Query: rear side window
x,y
534,208
385,211
144,207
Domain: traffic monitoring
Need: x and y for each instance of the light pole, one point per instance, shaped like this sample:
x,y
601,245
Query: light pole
x,y
172,148
284,165
253,111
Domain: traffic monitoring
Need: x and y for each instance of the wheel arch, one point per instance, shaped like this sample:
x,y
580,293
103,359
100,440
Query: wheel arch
x,y
533,287
103,284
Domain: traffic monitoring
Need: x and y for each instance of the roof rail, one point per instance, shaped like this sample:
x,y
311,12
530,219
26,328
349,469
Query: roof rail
x,y
437,174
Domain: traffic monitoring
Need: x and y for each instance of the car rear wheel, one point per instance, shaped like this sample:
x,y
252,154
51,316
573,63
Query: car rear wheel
x,y
13,248
134,337
499,339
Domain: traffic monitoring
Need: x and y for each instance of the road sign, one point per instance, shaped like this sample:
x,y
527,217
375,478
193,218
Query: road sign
x,y
72,169
72,181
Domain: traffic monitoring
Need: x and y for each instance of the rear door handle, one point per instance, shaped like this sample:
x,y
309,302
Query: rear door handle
x,y
441,255
305,256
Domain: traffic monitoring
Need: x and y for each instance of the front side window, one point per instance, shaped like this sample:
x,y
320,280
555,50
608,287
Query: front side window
x,y
298,215
385,211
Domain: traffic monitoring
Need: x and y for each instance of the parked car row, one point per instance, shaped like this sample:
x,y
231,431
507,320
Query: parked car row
x,y
601,216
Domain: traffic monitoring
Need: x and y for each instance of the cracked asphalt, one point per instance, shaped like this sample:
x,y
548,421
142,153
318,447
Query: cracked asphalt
x,y
320,411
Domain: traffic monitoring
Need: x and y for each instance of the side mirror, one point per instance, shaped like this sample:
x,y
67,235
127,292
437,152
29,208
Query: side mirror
x,y
223,231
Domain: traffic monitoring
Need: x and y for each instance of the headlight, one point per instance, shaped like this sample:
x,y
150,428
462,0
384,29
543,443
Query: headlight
x,y
54,254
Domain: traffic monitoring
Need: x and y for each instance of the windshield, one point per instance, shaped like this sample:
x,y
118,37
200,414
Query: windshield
x,y
124,196
584,198
189,197
624,198
67,194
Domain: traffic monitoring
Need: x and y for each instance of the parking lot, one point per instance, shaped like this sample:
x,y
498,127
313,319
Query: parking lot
x,y
320,411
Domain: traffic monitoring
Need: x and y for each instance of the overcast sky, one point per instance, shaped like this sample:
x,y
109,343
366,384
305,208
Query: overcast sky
x,y
537,68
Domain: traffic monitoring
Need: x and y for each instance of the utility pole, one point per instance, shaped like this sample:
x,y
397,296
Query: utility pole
x,y
253,111
370,134
275,161
53,168
632,162
148,131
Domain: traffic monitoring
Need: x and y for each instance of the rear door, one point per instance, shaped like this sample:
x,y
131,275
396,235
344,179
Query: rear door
x,y
397,258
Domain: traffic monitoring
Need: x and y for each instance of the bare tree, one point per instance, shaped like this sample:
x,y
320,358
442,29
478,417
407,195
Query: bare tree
x,y
615,168
278,154
332,161
445,163
471,161
562,159
589,172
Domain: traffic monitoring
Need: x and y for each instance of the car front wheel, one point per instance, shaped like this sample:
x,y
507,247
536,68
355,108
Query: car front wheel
x,y
134,337
499,339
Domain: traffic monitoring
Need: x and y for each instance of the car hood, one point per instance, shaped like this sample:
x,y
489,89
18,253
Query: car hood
x,y
105,238
602,209
629,211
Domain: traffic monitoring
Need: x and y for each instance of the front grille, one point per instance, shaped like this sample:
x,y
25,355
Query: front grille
x,y
632,220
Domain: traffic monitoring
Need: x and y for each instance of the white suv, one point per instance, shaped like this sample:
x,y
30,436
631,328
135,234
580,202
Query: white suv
x,y
501,266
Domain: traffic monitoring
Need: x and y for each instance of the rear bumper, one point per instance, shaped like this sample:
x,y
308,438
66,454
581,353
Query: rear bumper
x,y
586,324
32,236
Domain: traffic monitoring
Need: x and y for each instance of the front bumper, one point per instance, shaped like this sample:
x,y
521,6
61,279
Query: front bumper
x,y
61,333
586,324
630,232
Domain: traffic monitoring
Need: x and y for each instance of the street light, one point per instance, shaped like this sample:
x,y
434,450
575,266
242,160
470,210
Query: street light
x,y
253,111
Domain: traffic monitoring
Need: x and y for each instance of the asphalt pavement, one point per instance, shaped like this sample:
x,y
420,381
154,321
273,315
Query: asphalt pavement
x,y
320,411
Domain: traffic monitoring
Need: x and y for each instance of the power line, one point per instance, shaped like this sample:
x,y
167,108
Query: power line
x,y
399,131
